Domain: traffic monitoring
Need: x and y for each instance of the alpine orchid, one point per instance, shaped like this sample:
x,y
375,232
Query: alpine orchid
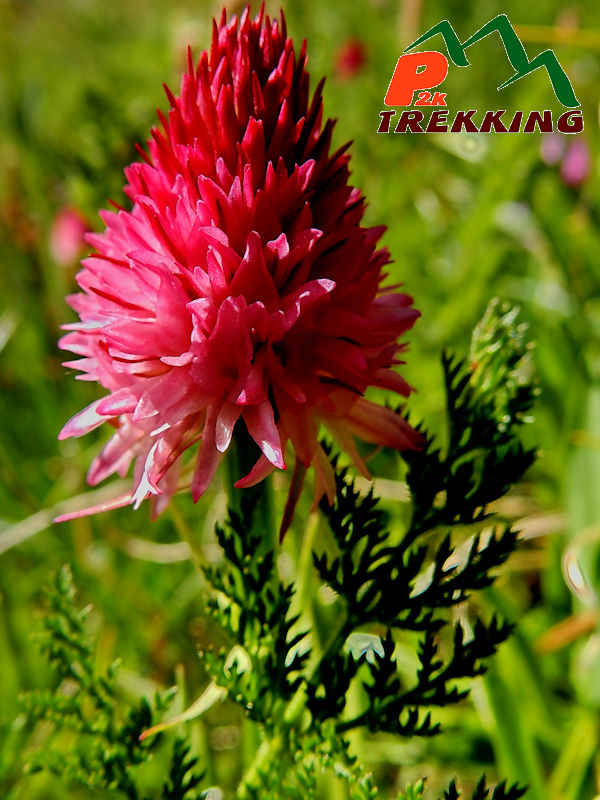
x,y
241,288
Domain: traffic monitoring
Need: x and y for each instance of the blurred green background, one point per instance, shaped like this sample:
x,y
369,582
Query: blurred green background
x,y
469,217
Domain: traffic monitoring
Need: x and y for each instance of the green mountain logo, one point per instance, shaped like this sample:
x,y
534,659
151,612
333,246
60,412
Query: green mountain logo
x,y
515,53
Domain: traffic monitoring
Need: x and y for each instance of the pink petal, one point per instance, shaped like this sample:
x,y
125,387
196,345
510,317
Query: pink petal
x,y
293,497
252,278
298,303
109,505
116,455
388,379
259,472
84,421
208,459
347,443
146,484
122,401
261,426
168,486
225,424
380,425
325,483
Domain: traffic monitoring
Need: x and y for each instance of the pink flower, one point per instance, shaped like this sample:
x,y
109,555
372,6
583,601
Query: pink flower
x,y
576,164
67,237
552,148
241,287
574,157
351,58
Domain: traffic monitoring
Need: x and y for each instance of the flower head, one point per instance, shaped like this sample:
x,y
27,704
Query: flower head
x,y
241,287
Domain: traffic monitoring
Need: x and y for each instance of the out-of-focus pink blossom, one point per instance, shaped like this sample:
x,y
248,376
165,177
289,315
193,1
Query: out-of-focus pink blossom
x,y
552,148
350,59
577,162
67,236
241,288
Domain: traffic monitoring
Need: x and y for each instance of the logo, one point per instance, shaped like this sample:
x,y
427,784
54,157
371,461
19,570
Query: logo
x,y
418,74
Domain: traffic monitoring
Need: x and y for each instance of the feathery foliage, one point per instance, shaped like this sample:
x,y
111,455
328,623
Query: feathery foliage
x,y
106,736
487,402
402,587
481,792
253,606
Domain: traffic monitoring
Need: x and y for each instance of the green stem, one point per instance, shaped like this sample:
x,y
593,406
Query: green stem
x,y
239,460
271,749
305,591
274,748
187,536
232,466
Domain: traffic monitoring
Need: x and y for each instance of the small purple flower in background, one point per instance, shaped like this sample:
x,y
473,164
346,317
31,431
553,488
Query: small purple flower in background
x,y
552,148
576,164
350,59
67,236
572,155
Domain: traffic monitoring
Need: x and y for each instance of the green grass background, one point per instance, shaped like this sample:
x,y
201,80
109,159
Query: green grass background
x,y
469,218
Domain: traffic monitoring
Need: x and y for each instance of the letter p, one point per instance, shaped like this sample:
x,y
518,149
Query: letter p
x,y
415,71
